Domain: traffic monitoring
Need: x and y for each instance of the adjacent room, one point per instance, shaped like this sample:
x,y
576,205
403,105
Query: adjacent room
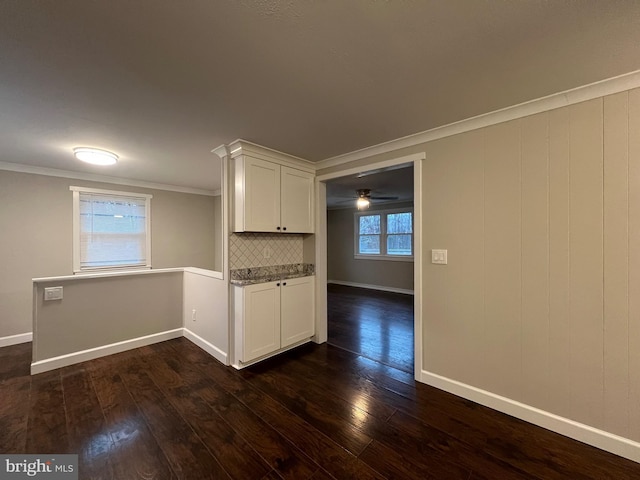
x,y
320,240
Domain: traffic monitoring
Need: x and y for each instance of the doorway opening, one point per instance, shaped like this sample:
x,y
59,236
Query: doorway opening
x,y
370,264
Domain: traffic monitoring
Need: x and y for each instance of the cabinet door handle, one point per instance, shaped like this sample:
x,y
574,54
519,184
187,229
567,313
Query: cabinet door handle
x,y
277,284
284,284
284,228
277,228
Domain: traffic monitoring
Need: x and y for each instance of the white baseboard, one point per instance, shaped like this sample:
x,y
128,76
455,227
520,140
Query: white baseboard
x,y
211,349
72,358
16,339
564,426
372,287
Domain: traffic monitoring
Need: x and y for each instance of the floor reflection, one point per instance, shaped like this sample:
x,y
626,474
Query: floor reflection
x,y
377,325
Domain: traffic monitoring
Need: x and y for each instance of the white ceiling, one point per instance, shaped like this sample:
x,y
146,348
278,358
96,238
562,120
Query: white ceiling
x,y
163,82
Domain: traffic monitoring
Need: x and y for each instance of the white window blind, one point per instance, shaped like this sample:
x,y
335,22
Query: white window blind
x,y
111,230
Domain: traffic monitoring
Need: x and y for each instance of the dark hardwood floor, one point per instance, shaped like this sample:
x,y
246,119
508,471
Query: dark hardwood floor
x,y
377,325
318,412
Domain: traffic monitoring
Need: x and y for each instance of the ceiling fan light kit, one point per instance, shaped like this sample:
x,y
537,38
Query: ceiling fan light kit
x,y
363,201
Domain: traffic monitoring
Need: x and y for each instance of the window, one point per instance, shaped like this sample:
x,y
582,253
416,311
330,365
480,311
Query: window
x,y
385,235
110,229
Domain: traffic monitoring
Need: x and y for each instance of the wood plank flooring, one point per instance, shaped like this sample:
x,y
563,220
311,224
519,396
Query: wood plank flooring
x,y
375,324
171,411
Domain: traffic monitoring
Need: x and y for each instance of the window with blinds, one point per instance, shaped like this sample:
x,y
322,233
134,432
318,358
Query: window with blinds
x,y
111,229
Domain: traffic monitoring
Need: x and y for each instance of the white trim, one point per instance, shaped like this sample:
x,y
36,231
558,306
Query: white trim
x,y
82,356
386,258
120,273
562,99
116,193
381,288
77,260
394,162
417,264
384,235
204,273
92,177
564,426
16,339
211,349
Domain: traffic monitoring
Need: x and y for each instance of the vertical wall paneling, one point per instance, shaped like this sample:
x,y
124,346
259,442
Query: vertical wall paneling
x,y
454,220
616,273
435,231
465,267
586,269
502,279
535,260
634,265
539,302
559,334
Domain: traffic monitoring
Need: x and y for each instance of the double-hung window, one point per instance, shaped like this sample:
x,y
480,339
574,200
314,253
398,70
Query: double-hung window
x,y
110,229
384,235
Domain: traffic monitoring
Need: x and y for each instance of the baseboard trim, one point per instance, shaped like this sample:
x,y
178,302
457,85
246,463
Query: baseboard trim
x,y
211,349
578,431
372,287
16,339
72,358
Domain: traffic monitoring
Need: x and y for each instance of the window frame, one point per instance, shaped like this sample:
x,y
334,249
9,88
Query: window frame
x,y
383,255
77,268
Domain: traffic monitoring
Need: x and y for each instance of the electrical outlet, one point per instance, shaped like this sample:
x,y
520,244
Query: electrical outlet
x,y
194,314
53,293
266,253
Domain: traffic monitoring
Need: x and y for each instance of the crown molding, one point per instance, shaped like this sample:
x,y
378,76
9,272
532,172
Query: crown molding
x,y
242,147
602,88
54,172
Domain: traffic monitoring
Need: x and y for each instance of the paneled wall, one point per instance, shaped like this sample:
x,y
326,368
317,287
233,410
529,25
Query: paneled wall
x,y
540,300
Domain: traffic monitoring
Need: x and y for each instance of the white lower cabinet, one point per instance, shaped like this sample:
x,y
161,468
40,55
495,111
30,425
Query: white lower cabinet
x,y
272,316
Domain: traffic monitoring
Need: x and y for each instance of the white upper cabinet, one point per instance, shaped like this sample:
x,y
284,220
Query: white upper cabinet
x,y
270,196
261,196
296,200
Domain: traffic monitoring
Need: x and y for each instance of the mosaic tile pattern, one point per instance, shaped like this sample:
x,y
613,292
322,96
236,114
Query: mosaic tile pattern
x,y
247,250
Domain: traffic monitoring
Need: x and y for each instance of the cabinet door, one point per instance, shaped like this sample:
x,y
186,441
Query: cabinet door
x,y
261,320
297,310
296,201
261,196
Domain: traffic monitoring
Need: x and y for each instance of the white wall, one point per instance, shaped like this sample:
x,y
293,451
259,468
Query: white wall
x,y
208,295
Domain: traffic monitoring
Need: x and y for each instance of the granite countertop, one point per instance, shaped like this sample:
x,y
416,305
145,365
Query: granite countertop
x,y
253,275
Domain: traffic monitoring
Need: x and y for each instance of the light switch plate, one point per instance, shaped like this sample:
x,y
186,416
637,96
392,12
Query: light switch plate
x,y
439,257
53,293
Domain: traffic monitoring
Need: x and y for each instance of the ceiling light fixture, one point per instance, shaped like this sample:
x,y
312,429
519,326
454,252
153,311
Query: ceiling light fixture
x,y
95,156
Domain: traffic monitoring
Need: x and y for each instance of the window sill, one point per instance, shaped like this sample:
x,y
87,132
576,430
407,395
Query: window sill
x,y
391,258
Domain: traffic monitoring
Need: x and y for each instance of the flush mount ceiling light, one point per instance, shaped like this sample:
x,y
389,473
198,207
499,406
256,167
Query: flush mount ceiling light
x,y
95,156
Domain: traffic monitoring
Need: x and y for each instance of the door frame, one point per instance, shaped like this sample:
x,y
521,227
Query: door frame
x,y
321,246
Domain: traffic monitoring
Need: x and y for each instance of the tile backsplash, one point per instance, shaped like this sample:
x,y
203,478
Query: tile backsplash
x,y
248,249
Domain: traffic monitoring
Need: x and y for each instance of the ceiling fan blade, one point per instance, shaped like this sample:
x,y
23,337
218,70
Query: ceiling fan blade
x,y
384,198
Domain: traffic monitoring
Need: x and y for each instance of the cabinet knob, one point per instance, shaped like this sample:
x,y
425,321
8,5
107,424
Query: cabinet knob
x,y
284,228
277,228
277,284
284,284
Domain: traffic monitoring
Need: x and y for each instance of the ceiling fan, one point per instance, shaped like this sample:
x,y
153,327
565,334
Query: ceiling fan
x,y
364,198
